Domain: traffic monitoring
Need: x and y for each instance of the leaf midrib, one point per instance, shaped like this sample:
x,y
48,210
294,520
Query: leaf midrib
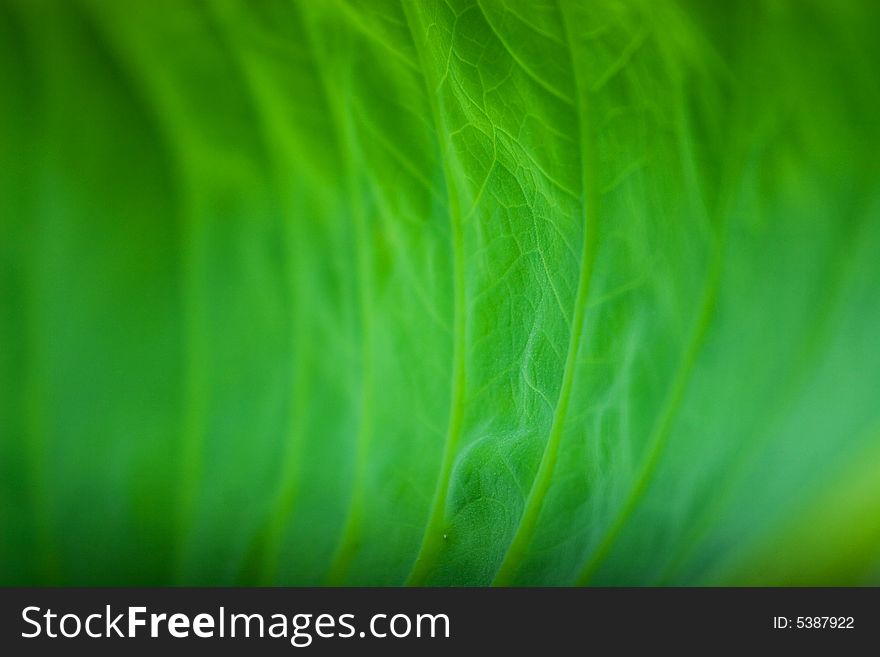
x,y
590,219
432,540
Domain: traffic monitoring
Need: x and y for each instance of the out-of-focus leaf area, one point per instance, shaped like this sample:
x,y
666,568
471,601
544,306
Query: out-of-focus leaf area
x,y
439,292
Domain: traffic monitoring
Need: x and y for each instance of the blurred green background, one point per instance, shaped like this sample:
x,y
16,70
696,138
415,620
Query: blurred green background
x,y
439,292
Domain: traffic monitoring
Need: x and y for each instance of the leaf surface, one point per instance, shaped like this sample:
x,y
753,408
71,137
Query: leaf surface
x,y
442,292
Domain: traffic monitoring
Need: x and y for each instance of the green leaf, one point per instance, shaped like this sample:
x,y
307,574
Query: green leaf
x,y
443,292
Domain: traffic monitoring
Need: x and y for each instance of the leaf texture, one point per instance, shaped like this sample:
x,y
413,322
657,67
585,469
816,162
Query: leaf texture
x,y
439,293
